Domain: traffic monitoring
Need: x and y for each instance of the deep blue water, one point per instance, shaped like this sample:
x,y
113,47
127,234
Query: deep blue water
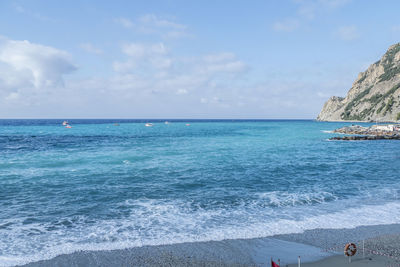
x,y
100,186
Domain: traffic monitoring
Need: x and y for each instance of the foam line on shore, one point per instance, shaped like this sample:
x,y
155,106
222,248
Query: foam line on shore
x,y
310,245
368,215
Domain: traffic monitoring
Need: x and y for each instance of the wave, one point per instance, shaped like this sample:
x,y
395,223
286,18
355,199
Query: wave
x,y
282,199
152,222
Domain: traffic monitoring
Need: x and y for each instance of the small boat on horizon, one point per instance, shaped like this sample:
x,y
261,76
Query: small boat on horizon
x,y
148,124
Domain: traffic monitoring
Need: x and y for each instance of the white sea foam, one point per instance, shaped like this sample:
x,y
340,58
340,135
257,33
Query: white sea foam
x,y
282,198
157,222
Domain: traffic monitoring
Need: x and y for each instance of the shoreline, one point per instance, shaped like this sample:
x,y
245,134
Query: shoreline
x,y
379,122
357,261
318,246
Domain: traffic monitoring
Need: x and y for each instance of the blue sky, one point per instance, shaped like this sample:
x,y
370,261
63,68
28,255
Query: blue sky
x,y
186,59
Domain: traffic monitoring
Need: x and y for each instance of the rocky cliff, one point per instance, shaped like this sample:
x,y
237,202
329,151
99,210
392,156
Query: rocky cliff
x,y
375,95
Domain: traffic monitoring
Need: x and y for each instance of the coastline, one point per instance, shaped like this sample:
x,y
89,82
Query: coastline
x,y
318,247
351,121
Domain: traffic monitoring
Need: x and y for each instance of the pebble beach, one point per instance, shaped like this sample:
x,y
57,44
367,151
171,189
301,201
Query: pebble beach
x,y
319,247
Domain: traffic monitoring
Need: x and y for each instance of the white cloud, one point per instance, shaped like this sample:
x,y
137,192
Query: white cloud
x,y
154,21
176,34
88,47
143,55
161,74
219,57
25,64
12,96
127,23
152,24
135,50
161,62
222,62
32,14
347,33
123,66
307,11
181,92
230,67
213,100
139,50
286,25
318,5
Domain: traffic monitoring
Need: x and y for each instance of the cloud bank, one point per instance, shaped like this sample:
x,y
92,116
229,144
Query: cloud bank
x,y
147,81
26,67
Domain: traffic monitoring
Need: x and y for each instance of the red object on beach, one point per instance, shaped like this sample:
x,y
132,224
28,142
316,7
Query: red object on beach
x,y
273,264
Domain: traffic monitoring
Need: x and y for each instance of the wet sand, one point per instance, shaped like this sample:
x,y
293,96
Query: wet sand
x,y
357,261
380,251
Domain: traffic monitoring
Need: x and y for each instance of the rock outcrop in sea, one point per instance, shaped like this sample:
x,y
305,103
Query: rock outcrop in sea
x,y
374,132
374,96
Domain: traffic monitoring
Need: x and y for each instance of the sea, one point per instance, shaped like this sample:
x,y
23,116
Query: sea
x,y
114,184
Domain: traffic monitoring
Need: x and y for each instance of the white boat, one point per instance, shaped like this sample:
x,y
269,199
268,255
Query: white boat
x,y
65,123
167,122
148,125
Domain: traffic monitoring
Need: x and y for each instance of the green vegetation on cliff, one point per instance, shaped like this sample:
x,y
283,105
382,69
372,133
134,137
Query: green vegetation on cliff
x,y
390,70
374,96
346,115
374,100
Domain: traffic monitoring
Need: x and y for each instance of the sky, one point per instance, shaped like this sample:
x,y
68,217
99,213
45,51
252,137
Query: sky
x,y
231,59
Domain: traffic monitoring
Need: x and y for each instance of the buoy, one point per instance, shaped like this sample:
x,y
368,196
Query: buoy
x,y
350,249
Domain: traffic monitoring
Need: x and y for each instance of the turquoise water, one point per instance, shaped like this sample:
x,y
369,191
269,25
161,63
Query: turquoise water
x,y
99,186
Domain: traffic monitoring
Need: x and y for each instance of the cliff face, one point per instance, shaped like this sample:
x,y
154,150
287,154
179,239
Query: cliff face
x,y
375,95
